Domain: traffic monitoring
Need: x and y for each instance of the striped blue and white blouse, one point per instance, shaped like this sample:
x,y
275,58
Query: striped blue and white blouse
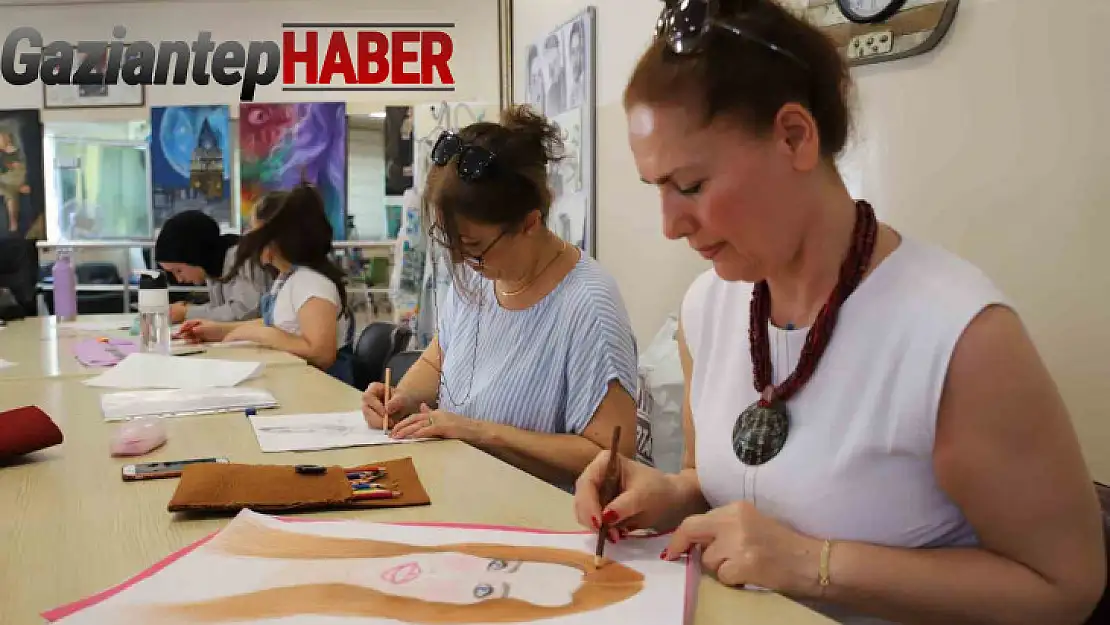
x,y
545,368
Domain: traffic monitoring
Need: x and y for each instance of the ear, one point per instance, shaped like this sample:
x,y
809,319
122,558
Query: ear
x,y
795,130
532,222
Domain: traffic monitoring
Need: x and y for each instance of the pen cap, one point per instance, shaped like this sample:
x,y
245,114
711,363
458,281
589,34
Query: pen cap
x,y
154,292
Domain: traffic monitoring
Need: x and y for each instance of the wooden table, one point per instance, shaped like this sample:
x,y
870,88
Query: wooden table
x,y
42,347
70,527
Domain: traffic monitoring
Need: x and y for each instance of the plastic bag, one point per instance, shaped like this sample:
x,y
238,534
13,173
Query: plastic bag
x,y
661,372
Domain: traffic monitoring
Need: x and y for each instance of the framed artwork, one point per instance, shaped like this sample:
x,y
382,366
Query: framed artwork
x,y
560,69
190,162
99,95
21,175
281,145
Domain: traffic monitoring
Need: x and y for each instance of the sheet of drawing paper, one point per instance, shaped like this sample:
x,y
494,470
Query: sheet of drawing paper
x,y
177,402
309,432
144,370
261,569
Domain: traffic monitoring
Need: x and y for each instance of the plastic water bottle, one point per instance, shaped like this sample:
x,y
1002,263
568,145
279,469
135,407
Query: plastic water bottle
x,y
65,287
154,313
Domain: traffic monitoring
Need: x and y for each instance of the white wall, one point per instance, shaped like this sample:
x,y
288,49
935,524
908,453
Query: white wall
x,y
474,64
994,145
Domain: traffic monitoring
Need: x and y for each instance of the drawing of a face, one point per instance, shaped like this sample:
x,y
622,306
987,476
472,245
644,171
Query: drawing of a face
x,y
358,577
553,55
577,52
461,578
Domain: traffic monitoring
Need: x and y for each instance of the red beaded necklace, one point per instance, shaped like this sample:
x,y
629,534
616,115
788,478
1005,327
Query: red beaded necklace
x,y
761,430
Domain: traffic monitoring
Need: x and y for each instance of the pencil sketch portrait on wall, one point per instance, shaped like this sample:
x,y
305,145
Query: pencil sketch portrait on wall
x,y
559,82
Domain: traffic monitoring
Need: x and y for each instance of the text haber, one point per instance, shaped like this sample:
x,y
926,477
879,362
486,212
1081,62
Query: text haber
x,y
377,57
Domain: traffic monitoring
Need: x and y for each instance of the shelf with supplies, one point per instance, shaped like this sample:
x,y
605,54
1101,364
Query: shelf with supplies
x,y
353,258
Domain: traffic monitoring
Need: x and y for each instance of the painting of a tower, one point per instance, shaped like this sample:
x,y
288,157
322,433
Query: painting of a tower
x,y
206,173
190,160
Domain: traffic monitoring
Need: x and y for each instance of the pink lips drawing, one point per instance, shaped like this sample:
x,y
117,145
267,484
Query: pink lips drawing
x,y
402,573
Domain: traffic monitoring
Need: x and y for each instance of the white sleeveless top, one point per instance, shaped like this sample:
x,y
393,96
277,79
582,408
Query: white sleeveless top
x,y
857,465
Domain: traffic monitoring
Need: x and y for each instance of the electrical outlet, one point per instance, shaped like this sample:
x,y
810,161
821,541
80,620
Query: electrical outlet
x,y
871,44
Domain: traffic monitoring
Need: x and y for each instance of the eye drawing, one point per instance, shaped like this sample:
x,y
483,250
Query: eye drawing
x,y
483,591
497,565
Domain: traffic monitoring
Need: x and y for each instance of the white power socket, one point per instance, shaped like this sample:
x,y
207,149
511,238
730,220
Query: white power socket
x,y
871,44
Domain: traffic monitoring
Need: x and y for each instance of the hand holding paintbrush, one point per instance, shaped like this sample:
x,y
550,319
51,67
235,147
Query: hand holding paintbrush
x,y
610,488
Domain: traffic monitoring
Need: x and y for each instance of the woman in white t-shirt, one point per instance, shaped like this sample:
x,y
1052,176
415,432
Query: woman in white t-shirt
x,y
305,313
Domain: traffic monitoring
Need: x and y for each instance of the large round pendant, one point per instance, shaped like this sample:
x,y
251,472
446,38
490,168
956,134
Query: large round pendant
x,y
760,432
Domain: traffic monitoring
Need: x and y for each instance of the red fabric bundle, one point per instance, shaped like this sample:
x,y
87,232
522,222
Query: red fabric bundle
x,y
25,430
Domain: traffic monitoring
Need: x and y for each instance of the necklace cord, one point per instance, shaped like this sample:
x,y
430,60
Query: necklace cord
x,y
852,271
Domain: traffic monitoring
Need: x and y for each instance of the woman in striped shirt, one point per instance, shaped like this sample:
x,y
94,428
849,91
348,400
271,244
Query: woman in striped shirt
x,y
534,360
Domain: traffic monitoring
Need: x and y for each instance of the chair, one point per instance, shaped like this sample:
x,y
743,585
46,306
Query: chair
x,y
377,343
400,363
19,272
1101,614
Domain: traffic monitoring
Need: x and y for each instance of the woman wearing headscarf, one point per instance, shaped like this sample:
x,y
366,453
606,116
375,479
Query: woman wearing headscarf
x,y
191,247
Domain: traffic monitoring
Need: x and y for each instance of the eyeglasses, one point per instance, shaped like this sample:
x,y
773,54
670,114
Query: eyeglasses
x,y
477,261
473,162
684,25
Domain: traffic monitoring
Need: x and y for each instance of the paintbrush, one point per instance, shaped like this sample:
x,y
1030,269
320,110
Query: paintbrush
x,y
610,487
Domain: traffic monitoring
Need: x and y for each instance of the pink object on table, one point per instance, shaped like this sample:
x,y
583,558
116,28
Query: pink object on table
x,y
97,353
138,436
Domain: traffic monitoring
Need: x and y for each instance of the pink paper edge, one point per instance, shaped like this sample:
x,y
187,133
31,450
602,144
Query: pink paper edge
x,y
69,609
72,608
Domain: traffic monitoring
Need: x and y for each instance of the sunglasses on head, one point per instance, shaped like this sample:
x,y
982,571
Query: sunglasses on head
x,y
473,160
683,25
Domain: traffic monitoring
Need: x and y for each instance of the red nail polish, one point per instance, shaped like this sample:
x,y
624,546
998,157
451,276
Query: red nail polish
x,y
663,555
610,516
593,521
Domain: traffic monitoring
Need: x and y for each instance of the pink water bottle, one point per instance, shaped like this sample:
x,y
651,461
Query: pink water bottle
x,y
65,287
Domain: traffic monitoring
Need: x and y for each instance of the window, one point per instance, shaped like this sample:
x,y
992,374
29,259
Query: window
x,y
97,181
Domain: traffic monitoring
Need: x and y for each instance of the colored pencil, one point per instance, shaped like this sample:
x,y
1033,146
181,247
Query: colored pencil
x,y
610,485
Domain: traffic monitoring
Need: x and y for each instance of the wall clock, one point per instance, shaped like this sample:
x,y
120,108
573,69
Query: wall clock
x,y
874,31
869,11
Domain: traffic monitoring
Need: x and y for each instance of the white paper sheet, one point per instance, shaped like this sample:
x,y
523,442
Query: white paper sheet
x,y
260,569
126,405
309,432
4,364
143,370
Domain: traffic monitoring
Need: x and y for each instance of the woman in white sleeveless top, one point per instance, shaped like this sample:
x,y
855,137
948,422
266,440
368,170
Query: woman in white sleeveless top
x,y
912,460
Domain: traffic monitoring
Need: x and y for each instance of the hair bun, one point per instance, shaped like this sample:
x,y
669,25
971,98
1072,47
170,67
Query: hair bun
x,y
545,137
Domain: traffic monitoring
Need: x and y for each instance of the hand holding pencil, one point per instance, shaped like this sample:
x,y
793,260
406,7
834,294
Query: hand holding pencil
x,y
381,403
645,498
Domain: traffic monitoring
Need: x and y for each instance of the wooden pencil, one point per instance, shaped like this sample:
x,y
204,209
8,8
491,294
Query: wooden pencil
x,y
610,487
385,405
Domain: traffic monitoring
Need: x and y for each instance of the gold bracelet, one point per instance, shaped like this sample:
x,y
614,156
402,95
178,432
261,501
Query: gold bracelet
x,y
823,570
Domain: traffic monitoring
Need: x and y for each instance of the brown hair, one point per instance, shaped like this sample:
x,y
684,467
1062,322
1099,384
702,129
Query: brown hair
x,y
735,76
297,223
601,587
524,143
